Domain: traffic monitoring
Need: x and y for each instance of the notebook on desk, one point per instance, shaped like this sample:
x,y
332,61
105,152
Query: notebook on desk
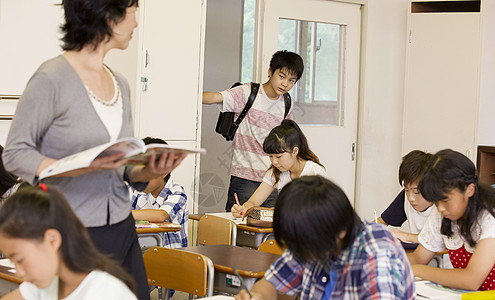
x,y
227,215
430,290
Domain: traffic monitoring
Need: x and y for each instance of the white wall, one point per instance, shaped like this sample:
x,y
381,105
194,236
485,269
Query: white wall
x,y
382,93
486,125
222,68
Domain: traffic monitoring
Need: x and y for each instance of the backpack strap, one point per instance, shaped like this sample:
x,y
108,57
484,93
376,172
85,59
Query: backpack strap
x,y
254,92
288,103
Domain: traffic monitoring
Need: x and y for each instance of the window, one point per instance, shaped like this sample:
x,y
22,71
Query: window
x,y
317,95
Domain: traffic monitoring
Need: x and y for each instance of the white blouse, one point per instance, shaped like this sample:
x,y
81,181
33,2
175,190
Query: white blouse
x,y
431,238
310,168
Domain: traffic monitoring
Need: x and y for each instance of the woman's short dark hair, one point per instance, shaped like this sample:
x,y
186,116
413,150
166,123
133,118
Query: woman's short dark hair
x,y
310,213
449,170
31,211
88,22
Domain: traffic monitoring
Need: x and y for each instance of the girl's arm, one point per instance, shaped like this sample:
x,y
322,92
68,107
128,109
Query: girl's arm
x,y
14,295
259,196
421,256
470,278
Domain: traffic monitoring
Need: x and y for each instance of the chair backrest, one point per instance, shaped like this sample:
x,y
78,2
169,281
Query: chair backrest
x,y
271,246
215,230
179,270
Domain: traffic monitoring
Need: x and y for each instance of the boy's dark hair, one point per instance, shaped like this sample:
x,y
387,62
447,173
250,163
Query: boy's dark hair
x,y
151,140
310,213
31,211
284,138
290,61
449,170
89,21
413,166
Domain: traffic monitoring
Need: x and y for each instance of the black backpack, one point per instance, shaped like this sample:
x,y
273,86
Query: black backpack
x,y
226,126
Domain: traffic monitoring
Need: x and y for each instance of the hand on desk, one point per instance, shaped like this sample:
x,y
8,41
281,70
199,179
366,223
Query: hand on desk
x,y
243,295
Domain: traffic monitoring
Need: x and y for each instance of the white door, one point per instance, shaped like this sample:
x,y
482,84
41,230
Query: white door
x,y
327,95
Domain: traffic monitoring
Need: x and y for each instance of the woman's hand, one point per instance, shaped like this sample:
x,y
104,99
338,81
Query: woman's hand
x,y
238,211
160,166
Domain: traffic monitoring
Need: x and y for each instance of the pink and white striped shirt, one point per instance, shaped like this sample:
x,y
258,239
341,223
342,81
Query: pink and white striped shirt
x,y
248,160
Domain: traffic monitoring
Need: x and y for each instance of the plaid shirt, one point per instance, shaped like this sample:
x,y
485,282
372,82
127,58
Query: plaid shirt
x,y
374,266
173,200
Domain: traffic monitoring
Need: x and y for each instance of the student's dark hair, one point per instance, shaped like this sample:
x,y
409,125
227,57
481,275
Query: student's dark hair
x,y
310,213
7,179
284,138
88,22
32,210
413,166
289,61
151,140
449,170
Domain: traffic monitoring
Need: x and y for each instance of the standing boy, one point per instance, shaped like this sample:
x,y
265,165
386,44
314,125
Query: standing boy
x,y
162,201
409,204
249,162
330,253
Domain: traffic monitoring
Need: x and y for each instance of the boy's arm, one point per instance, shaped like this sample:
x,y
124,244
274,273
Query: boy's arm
x,y
262,290
405,236
152,215
212,98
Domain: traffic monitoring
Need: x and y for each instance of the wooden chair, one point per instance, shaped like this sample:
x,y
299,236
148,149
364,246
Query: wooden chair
x,y
271,246
179,270
214,230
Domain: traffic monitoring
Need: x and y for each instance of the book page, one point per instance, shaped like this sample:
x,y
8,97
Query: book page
x,y
227,215
83,159
431,290
158,149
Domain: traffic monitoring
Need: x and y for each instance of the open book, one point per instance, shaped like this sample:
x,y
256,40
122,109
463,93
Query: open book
x,y
135,151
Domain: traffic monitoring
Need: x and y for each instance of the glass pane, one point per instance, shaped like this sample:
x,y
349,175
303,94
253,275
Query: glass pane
x,y
248,40
316,95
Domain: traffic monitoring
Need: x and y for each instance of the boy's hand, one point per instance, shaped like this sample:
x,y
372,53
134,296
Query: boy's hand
x,y
243,295
238,211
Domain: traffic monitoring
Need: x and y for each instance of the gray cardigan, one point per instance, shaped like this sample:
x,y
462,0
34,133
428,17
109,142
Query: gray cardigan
x,y
56,118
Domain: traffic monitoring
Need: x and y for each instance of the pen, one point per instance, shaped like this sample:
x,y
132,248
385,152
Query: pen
x,y
376,217
243,283
237,200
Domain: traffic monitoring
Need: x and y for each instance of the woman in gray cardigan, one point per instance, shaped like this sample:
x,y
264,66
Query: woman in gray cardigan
x,y
74,102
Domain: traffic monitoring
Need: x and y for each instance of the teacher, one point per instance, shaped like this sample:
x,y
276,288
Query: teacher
x,y
74,102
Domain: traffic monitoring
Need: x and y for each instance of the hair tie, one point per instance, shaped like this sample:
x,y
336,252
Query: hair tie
x,y
43,187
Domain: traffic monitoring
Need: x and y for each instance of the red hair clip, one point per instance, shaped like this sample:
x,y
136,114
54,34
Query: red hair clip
x,y
43,187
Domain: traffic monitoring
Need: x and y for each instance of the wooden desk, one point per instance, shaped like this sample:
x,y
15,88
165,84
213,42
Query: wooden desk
x,y
247,235
251,264
9,281
155,233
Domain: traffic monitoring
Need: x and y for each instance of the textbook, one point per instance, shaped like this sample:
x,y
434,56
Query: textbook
x,y
140,225
136,153
430,290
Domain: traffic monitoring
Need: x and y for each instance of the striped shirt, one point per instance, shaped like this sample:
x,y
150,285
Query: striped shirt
x,y
173,200
373,266
248,160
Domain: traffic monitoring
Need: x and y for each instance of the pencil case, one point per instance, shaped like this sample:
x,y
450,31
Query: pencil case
x,y
259,216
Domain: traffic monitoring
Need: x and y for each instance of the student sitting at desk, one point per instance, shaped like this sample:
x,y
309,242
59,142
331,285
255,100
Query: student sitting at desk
x,y
162,201
331,253
409,204
290,158
53,253
463,223
8,182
